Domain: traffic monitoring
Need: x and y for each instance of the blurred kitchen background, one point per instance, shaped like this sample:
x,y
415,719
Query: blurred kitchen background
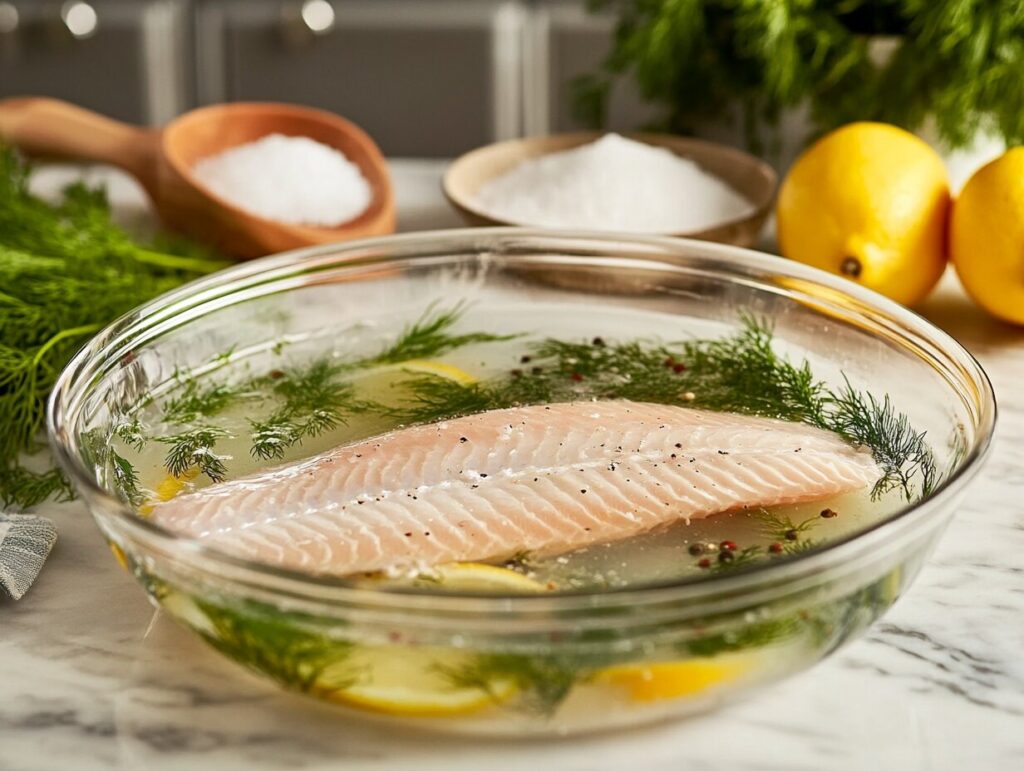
x,y
426,78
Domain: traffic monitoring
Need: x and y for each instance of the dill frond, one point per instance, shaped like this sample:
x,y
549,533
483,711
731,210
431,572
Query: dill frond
x,y
194,401
126,479
65,271
430,337
194,449
744,374
543,680
433,398
131,433
266,640
24,488
756,635
782,527
314,401
900,450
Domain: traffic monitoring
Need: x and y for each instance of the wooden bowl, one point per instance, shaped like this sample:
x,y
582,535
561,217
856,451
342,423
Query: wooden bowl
x,y
162,160
752,178
189,205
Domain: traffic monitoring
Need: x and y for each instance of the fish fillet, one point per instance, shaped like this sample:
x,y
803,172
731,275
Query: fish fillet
x,y
545,479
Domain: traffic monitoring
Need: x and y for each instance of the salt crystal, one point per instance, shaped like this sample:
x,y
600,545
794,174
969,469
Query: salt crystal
x,y
612,184
295,180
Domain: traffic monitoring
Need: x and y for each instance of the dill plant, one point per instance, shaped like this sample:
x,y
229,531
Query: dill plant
x,y
66,270
957,62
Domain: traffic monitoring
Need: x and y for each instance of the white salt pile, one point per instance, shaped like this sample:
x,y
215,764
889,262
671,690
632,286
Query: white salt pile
x,y
289,179
612,184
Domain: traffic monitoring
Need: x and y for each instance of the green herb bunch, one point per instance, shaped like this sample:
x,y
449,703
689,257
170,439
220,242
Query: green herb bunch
x,y
959,62
65,271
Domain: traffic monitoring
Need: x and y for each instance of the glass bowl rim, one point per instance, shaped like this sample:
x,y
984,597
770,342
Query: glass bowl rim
x,y
699,587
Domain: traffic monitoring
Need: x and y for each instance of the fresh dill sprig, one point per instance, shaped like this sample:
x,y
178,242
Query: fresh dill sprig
x,y
277,644
543,680
195,449
194,401
781,527
900,451
743,373
756,635
24,488
126,479
432,398
429,337
131,433
790,537
65,271
314,401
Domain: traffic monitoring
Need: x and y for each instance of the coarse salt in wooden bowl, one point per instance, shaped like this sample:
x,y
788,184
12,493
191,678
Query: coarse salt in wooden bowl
x,y
752,178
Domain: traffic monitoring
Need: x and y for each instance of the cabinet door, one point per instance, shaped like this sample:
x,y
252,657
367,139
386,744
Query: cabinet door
x,y
425,78
124,58
563,42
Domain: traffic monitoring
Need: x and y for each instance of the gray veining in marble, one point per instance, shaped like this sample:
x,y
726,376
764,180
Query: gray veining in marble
x,y
90,678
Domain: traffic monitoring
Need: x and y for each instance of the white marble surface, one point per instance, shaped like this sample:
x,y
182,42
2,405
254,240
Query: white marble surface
x,y
91,679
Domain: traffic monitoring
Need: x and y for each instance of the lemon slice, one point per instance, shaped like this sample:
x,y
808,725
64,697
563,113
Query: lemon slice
x,y
673,679
439,368
472,576
401,681
484,578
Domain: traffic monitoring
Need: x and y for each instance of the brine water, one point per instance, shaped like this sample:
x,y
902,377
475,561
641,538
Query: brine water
x,y
235,396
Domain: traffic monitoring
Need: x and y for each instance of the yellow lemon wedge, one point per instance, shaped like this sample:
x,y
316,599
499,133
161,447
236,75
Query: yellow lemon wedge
x,y
673,679
870,202
439,368
403,681
168,487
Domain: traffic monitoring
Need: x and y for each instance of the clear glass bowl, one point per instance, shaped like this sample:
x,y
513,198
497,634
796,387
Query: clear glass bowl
x,y
528,664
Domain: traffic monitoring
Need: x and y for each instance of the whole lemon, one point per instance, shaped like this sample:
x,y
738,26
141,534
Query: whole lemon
x,y
868,201
986,236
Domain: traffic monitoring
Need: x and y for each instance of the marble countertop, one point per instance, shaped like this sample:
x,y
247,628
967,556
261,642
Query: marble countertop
x,y
91,678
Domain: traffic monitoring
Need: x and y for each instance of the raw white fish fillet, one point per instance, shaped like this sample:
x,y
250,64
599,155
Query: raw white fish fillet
x,y
545,479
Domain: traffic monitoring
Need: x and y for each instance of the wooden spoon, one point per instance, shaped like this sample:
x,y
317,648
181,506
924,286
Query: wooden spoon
x,y
162,160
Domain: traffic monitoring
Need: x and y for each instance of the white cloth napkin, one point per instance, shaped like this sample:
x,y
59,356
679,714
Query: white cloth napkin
x,y
25,542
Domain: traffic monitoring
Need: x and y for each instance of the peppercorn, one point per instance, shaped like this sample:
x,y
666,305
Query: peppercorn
x,y
704,563
727,546
696,549
792,535
677,368
726,556
829,513
775,548
576,377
